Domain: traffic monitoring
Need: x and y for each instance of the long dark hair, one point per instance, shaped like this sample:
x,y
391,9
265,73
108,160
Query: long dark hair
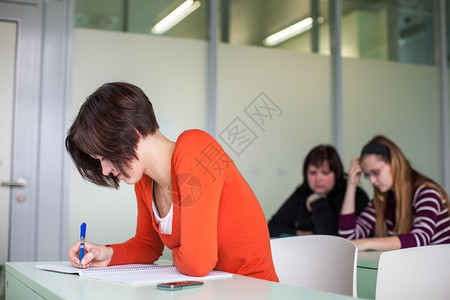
x,y
109,124
316,157
406,180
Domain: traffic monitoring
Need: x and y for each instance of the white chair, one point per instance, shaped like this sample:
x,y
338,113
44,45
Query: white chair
x,y
320,262
414,273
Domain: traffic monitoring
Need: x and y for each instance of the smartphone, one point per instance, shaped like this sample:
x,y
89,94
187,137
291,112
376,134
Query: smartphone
x,y
178,285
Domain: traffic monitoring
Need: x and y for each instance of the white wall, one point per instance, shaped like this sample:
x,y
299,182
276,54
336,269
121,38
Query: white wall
x,y
299,84
395,99
172,73
398,100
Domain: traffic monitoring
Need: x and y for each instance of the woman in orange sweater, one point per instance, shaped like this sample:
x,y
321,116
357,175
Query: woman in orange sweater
x,y
190,195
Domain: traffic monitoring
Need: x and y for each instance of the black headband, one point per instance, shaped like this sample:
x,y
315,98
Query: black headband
x,y
376,149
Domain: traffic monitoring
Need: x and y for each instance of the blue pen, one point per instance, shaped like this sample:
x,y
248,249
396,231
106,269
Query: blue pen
x,y
82,237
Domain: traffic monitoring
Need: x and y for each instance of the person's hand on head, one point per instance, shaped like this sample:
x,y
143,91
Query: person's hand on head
x,y
354,173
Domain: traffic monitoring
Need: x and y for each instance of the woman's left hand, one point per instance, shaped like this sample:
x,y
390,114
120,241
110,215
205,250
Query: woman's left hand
x,y
378,244
361,244
304,232
312,198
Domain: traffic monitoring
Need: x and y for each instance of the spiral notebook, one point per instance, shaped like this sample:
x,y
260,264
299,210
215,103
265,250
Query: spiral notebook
x,y
133,273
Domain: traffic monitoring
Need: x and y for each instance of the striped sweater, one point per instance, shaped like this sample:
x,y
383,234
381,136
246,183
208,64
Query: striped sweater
x,y
430,226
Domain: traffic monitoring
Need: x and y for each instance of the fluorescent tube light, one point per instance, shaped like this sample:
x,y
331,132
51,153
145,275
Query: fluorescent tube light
x,y
176,16
288,32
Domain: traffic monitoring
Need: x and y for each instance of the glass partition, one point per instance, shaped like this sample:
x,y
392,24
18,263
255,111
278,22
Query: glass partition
x,y
399,100
388,30
378,29
273,104
176,18
286,24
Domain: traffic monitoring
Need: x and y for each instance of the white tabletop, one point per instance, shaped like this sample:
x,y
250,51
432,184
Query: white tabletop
x,y
52,285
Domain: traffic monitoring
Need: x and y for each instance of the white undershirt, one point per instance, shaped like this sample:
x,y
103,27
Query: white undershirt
x,y
164,224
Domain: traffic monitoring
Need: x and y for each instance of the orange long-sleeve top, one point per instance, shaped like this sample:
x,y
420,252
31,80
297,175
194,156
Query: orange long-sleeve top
x,y
217,221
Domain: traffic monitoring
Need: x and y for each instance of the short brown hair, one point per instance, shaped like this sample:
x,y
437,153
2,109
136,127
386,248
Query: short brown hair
x,y
109,124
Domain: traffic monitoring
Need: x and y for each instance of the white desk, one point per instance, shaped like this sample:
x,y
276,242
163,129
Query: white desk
x,y
25,281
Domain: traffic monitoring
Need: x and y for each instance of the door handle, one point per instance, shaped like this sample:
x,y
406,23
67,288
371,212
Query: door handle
x,y
21,182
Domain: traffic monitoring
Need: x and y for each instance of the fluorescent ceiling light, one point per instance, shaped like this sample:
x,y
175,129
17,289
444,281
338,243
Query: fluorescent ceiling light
x,y
288,32
176,16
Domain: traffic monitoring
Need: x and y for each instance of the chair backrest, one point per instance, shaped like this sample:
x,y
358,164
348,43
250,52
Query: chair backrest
x,y
414,273
320,262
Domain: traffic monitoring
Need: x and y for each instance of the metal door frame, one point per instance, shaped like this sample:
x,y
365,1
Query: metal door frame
x,y
41,109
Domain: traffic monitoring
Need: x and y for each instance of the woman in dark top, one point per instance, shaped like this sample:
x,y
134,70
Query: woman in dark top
x,y
315,205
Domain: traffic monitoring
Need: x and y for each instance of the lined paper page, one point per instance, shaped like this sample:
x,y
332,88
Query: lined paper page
x,y
133,273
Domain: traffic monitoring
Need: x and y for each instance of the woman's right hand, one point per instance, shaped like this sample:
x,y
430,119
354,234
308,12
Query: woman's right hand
x,y
312,198
94,255
354,173
303,232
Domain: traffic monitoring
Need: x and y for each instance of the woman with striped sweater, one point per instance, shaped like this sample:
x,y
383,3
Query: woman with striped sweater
x,y
408,208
